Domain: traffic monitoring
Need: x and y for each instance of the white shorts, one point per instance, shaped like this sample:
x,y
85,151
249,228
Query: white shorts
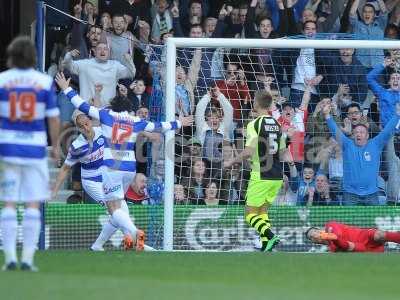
x,y
94,190
24,183
116,183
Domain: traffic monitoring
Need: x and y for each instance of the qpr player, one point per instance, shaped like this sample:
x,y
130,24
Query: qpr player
x,y
120,129
27,98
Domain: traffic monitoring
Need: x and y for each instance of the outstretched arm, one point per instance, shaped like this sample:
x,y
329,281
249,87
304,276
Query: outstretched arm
x,y
383,137
354,7
60,179
76,100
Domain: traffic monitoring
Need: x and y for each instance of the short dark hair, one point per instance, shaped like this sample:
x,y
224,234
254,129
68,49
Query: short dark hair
x,y
370,5
21,53
212,111
118,15
354,104
308,230
392,27
195,1
263,99
120,103
196,25
263,18
309,21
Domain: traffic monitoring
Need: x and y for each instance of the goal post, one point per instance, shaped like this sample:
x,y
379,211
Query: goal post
x,y
172,46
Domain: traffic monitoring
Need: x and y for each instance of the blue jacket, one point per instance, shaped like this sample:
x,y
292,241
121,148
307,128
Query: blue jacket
x,y
297,184
387,98
336,72
361,164
374,31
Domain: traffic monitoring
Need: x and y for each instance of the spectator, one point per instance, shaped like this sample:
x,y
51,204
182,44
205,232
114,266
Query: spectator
x,y
345,76
185,85
156,182
190,150
162,21
285,197
362,160
316,125
137,92
209,119
211,192
296,7
235,89
137,191
371,27
209,26
196,181
305,70
335,168
388,99
179,194
323,196
293,121
105,21
354,117
133,11
98,70
304,186
233,180
144,139
120,41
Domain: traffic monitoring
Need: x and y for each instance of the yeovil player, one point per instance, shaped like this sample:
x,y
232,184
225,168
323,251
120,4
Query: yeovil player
x,y
264,145
120,130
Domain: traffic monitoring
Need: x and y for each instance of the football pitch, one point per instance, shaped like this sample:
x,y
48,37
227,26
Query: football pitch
x,y
117,275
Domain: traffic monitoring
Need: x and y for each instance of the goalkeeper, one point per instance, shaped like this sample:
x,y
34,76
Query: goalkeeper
x,y
264,144
345,238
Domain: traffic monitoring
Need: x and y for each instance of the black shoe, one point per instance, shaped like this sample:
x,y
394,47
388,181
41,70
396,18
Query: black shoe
x,y
28,268
12,266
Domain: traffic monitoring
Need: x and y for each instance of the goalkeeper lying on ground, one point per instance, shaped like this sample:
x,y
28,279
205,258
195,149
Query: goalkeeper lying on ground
x,y
341,238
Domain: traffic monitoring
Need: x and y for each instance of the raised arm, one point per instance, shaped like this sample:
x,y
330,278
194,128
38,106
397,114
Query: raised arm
x,y
335,131
70,64
372,77
228,111
353,9
201,107
383,137
382,7
128,70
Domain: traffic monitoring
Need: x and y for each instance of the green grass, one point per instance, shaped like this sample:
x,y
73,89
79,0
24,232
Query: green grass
x,y
128,275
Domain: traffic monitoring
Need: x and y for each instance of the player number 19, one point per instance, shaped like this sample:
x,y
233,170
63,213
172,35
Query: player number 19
x,y
22,106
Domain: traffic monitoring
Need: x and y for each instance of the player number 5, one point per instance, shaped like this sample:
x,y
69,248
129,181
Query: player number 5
x,y
272,143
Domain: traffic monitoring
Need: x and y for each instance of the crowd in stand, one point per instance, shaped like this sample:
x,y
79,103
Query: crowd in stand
x,y
338,107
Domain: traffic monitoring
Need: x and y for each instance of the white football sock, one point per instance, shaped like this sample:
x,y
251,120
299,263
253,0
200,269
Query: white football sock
x,y
124,222
9,226
106,233
31,228
124,206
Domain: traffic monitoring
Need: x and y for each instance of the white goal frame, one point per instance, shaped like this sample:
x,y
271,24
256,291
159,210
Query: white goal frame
x,y
174,43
